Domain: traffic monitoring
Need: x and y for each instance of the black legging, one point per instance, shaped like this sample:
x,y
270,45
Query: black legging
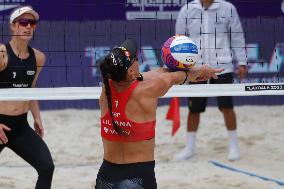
x,y
25,142
139,175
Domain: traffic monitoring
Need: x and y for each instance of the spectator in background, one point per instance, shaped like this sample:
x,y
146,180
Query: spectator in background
x,y
215,27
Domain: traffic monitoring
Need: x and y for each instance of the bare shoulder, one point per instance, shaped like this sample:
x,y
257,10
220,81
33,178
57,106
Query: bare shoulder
x,y
40,57
2,47
3,57
2,50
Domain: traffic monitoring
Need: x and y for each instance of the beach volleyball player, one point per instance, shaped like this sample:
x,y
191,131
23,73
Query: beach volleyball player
x,y
20,66
128,116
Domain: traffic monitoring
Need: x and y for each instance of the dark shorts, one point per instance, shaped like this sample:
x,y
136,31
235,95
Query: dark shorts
x,y
198,104
126,176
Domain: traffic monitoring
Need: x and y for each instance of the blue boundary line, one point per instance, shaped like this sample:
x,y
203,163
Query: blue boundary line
x,y
221,165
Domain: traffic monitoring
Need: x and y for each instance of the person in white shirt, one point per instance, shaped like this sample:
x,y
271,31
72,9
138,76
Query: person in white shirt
x,y
215,27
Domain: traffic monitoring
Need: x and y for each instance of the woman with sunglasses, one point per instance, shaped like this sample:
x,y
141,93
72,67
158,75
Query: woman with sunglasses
x,y
128,106
20,66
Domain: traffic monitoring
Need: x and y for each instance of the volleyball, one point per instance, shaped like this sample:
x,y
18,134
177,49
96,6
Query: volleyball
x,y
179,52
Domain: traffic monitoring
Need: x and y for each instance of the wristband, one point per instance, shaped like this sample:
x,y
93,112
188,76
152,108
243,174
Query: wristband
x,y
140,77
185,79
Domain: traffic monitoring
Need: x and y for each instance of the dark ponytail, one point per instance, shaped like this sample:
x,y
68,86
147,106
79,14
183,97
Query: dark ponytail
x,y
105,68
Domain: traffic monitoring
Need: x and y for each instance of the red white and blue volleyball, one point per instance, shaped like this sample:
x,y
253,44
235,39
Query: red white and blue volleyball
x,y
179,52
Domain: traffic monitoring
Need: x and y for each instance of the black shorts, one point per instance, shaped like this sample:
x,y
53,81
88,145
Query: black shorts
x,y
198,104
126,176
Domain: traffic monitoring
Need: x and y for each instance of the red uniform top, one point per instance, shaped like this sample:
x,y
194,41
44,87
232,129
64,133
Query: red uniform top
x,y
133,131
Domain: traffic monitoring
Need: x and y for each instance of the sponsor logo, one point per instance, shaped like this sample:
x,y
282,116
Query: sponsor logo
x,y
153,9
116,114
30,72
20,85
264,87
113,59
189,59
113,132
119,123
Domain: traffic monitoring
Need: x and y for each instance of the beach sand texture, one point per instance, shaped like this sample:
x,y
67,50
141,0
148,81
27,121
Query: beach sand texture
x,y
73,137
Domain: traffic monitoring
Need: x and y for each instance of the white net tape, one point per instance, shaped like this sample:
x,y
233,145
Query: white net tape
x,y
204,90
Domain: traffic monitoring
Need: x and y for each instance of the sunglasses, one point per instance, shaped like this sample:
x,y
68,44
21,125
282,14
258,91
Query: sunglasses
x,y
25,22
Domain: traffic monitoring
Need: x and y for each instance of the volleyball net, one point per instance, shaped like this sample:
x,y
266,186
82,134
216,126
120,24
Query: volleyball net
x,y
200,90
73,46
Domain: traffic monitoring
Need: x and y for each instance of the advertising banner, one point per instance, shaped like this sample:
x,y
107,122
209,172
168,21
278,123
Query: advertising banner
x,y
74,35
130,9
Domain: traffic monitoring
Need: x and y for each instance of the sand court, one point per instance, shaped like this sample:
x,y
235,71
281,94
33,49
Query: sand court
x,y
73,137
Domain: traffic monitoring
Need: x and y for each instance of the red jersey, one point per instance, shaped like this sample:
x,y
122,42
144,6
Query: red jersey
x,y
133,131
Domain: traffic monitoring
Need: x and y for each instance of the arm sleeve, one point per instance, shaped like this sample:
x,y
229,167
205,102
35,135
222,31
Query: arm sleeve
x,y
237,38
